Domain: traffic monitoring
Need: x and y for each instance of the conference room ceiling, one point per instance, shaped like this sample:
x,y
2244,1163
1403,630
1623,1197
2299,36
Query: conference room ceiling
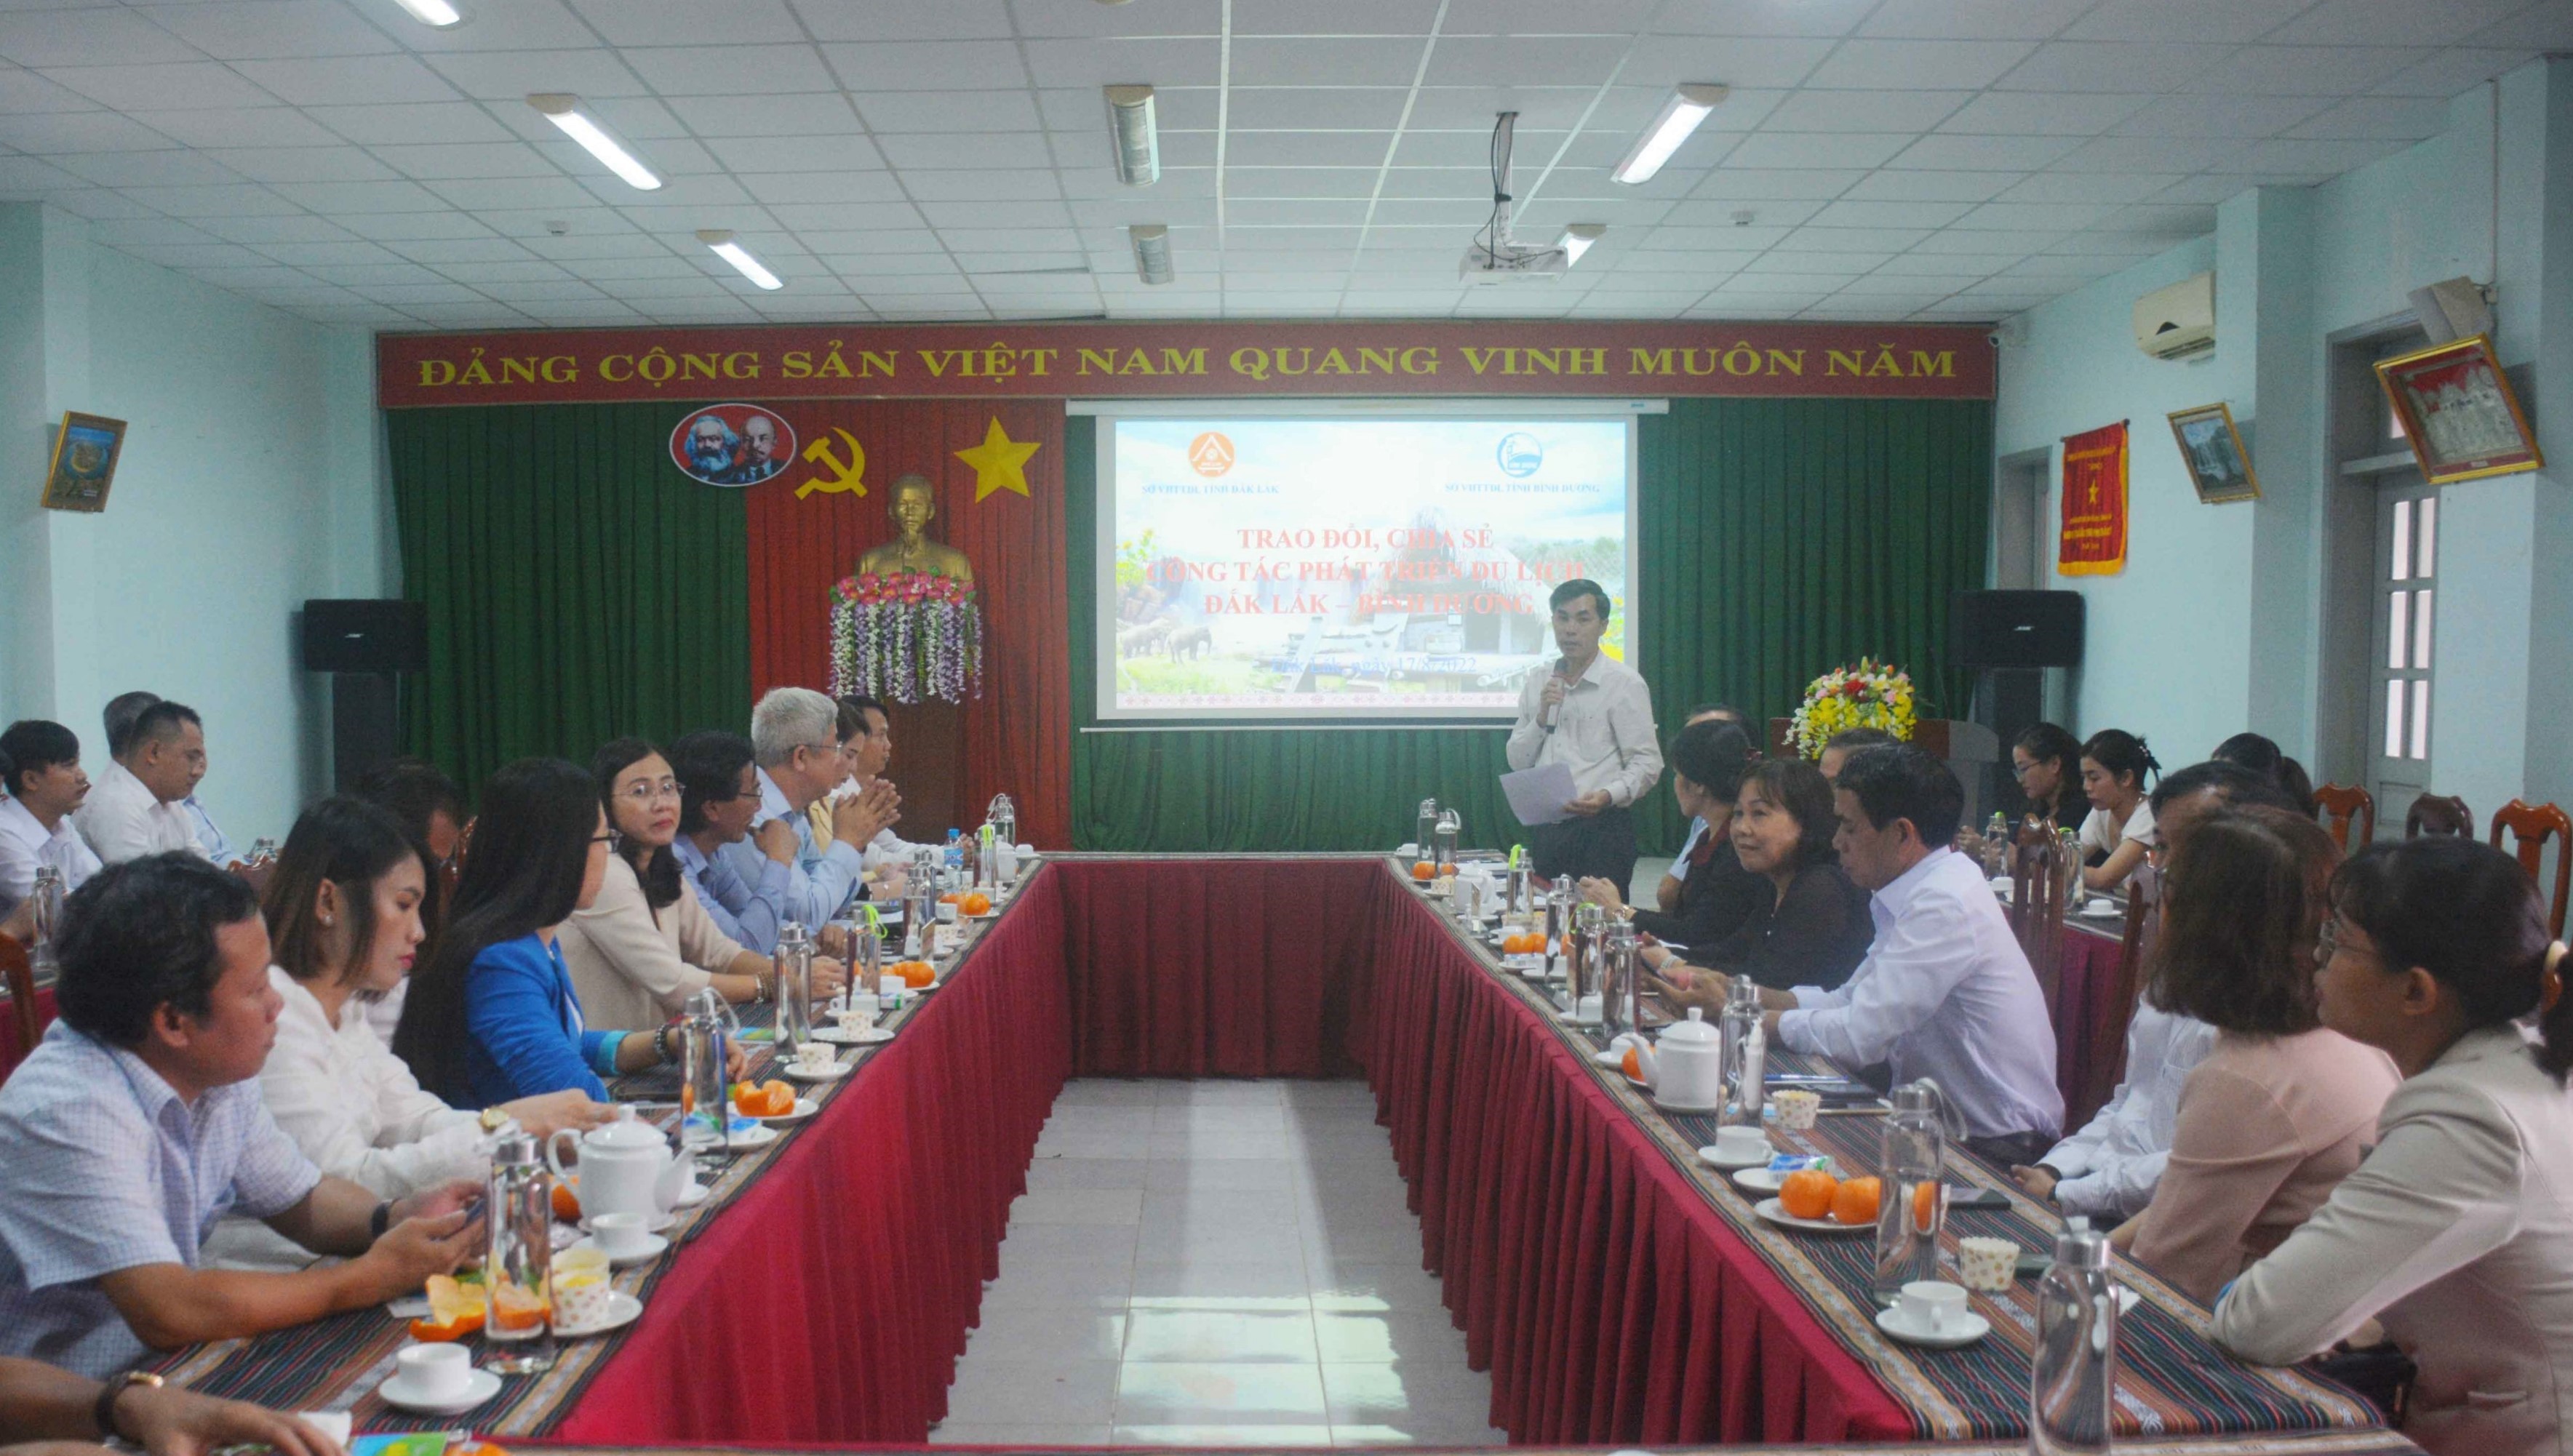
x,y
950,159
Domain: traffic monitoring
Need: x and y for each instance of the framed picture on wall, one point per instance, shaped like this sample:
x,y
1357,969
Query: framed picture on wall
x,y
2458,412
2213,449
86,449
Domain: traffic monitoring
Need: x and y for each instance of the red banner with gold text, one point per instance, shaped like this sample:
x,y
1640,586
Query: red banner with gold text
x,y
2094,542
1208,360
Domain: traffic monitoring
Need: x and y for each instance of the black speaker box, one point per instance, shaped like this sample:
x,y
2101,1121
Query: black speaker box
x,y
364,637
2016,629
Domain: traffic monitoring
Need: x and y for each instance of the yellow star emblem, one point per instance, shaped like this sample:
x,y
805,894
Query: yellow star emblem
x,y
999,462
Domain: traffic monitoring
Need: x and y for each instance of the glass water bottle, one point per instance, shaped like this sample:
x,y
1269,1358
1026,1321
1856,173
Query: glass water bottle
x,y
1746,1053
46,897
1425,828
1915,1202
1620,983
1558,925
1447,828
518,1270
2072,1385
705,1031
1005,826
794,988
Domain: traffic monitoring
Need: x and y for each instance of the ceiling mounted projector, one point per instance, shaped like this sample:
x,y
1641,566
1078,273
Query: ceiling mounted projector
x,y
1494,257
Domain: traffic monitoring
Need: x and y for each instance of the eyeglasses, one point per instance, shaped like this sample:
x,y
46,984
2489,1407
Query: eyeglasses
x,y
646,792
2333,941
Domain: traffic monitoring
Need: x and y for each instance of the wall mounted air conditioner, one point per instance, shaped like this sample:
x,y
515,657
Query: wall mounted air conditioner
x,y
2179,320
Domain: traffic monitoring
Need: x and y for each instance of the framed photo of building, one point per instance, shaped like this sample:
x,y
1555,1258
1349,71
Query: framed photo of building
x,y
86,449
2458,412
2213,449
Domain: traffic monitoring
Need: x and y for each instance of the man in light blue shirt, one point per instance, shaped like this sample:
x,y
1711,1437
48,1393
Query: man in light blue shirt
x,y
793,738
137,1122
718,798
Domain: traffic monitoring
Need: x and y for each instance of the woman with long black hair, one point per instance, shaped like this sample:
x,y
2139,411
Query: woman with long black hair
x,y
2046,761
2116,772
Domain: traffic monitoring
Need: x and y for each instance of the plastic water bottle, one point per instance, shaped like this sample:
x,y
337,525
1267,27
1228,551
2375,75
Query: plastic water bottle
x,y
2072,1389
47,896
956,851
1915,1199
1425,826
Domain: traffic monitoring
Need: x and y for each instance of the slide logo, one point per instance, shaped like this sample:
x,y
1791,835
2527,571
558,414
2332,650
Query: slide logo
x,y
1211,454
1519,454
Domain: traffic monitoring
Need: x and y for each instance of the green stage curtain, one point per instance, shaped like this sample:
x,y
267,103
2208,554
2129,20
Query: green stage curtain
x,y
578,587
1777,537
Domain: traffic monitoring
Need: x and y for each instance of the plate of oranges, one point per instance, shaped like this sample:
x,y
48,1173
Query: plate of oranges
x,y
1813,1202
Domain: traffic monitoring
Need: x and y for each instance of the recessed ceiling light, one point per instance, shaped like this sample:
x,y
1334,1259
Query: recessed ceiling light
x,y
563,109
721,241
1131,136
432,12
1152,252
1679,117
1576,240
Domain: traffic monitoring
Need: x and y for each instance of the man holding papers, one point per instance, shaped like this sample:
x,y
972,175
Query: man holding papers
x,y
1594,717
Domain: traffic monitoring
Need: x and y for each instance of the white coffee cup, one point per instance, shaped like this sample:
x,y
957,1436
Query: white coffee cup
x,y
947,912
1590,1008
619,1235
1741,1144
435,1372
1406,852
1933,1306
814,1055
856,1021
1989,1264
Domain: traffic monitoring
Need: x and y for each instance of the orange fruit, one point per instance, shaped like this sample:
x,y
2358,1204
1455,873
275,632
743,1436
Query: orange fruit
x,y
1856,1201
917,973
566,1203
977,903
454,1311
951,897
1808,1194
1925,1206
516,1308
1423,870
1634,1069
778,1099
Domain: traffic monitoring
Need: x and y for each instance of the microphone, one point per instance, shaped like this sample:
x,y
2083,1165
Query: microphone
x,y
1546,711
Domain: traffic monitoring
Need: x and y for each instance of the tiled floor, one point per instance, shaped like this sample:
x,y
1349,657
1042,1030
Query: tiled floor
x,y
1214,1263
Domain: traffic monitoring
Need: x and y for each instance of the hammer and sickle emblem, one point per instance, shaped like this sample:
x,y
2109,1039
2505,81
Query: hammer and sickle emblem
x,y
842,477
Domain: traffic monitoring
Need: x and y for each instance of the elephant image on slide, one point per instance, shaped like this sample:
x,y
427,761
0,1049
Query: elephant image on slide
x,y
1138,641
1190,643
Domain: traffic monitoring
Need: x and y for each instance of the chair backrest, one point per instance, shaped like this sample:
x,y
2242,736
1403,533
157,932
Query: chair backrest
x,y
2435,814
20,974
450,872
2339,805
255,875
2038,904
2530,826
2143,926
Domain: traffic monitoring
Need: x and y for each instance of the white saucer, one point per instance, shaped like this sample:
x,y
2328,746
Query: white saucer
x,y
654,1245
793,1073
1970,1328
1568,1018
622,1310
1713,1158
743,1140
1759,1178
479,1386
2102,910
1775,1213
1524,963
804,1107
1615,1057
657,1224
1694,1111
871,1037
692,1196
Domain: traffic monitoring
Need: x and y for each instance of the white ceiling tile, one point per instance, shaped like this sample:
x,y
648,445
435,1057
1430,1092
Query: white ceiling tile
x,y
803,115
300,164
118,233
2318,157
77,130
1040,213
331,198
468,316
2208,21
1867,65
1863,111
292,228
348,81
393,227
1750,183
2127,244
1718,217
805,218
2089,187
928,65
1531,149
480,193
23,90
1864,214
1879,244
811,188
2177,155
1818,149
2301,70
541,290
510,76
269,29
1748,283
906,19
1892,185
146,169
88,202
988,184
265,126
1812,265
468,159
812,156
2031,20
2034,216
518,25
1379,108
871,241
2157,220
240,201
1669,60
720,70
1296,212
1319,149
81,37
1368,61
2205,189
1983,154
23,178
2115,66
2392,118
1490,61
968,150
1976,242
1948,265
2219,116
1343,182
2451,72
1174,107
1822,18
416,123
2043,113
458,262
689,22
1762,231
955,111
2393,22
309,255
194,255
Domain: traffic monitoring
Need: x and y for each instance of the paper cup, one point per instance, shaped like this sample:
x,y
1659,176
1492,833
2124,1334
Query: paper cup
x,y
1987,1264
1796,1109
580,1300
814,1055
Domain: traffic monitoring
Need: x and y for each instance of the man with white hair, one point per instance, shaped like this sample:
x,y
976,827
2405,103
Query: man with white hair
x,y
793,738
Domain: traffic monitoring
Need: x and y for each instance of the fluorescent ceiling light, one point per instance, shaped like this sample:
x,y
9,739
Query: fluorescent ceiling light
x,y
1152,252
1679,117
1131,136
1576,240
564,111
432,12
720,239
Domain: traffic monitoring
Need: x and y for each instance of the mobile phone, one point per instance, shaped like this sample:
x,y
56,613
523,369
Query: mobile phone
x,y
1959,1197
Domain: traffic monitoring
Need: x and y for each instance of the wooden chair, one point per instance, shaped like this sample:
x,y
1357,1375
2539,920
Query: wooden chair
x,y
20,974
2433,814
2037,903
2340,804
2530,827
2143,926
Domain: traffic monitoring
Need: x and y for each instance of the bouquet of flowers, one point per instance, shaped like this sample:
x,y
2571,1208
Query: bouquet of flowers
x,y
1871,694
904,636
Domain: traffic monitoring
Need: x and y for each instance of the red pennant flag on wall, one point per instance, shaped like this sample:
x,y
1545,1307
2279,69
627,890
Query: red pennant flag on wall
x,y
2094,542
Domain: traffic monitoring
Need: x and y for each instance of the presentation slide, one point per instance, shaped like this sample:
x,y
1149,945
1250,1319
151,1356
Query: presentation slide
x,y
1351,568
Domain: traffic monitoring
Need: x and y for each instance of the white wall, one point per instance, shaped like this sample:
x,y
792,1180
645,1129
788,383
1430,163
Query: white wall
x,y
250,482
2216,624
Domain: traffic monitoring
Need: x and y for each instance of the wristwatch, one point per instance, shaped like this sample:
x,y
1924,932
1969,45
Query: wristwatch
x,y
494,1119
102,1414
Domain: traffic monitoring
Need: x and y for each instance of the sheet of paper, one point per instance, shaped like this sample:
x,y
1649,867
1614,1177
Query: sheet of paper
x,y
1538,795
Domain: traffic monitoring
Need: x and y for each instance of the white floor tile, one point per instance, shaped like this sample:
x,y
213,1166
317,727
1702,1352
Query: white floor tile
x,y
1088,1172
1197,1436
969,1433
1204,1335
1038,1334
1078,1206
1048,1391
1218,1394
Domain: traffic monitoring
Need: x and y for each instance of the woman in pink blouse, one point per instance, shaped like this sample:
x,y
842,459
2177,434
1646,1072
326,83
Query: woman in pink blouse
x,y
2282,1108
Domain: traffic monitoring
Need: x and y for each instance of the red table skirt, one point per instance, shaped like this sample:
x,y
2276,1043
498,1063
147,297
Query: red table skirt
x,y
2091,1008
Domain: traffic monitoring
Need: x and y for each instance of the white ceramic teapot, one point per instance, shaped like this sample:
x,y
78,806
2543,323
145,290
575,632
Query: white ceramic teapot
x,y
625,1168
1686,1071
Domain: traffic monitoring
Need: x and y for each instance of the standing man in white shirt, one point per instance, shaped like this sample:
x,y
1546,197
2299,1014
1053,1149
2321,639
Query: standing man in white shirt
x,y
40,769
793,740
1945,992
137,807
1594,716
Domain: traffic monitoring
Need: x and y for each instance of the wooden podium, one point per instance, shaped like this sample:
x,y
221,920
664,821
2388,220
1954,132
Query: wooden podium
x,y
1964,745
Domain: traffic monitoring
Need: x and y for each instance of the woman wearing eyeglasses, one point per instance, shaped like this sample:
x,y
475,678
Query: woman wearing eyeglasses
x,y
646,945
493,1018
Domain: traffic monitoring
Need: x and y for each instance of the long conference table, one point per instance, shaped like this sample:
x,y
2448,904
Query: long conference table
x,y
1618,1289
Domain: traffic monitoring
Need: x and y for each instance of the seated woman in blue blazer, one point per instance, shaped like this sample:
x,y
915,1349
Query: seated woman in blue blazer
x,y
493,1018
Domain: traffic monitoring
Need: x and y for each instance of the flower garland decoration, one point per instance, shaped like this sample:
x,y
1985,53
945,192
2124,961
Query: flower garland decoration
x,y
1871,694
906,635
